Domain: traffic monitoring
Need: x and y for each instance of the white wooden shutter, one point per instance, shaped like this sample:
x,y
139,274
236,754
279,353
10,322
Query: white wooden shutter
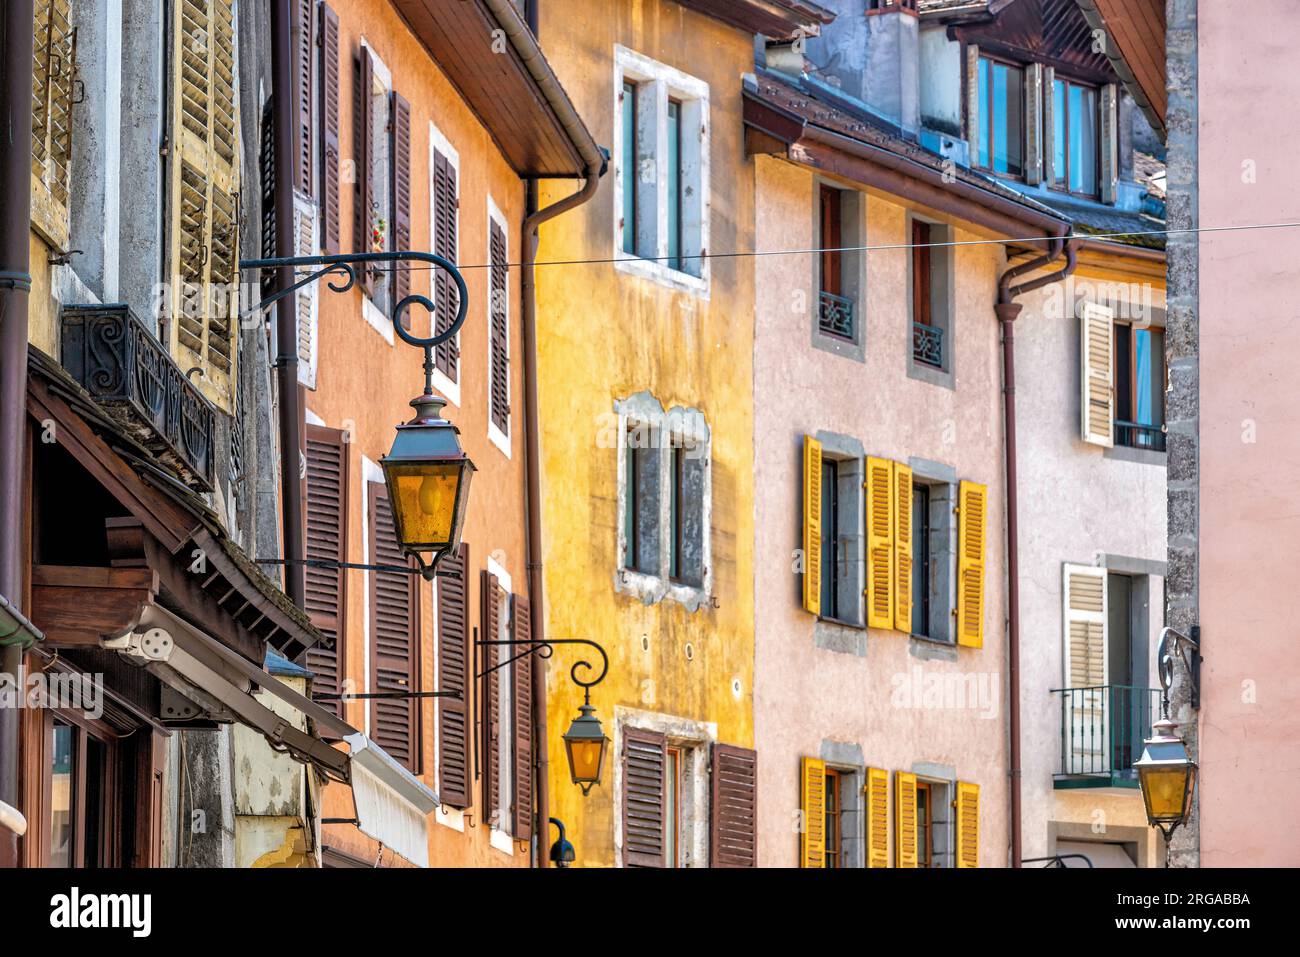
x,y
1049,126
1109,172
1034,96
54,77
305,241
1085,665
973,104
1097,373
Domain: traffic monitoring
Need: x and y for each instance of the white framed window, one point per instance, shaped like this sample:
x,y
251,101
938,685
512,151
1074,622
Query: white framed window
x,y
498,311
661,172
444,232
377,306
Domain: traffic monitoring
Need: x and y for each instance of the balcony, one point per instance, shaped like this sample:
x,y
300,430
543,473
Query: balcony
x,y
835,315
927,344
128,372
1135,435
1102,729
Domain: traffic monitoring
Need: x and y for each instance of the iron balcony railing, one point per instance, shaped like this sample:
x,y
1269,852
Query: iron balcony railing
x,y
835,315
927,344
1136,435
1102,730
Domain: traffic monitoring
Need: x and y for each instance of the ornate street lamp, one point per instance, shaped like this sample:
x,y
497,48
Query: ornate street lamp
x,y
1166,772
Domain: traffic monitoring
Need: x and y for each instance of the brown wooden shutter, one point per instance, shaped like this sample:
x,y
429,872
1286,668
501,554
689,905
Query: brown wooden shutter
x,y
266,169
327,483
644,763
490,595
733,807
500,344
445,295
400,151
454,671
329,173
394,641
521,682
303,34
363,123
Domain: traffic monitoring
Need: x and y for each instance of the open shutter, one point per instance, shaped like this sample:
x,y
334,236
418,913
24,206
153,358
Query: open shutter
x,y
812,805
902,548
905,825
812,525
1049,126
490,627
394,636
880,543
1085,655
499,345
54,73
446,297
303,39
1034,96
454,672
877,801
305,239
329,178
971,535
325,600
521,682
733,806
973,104
968,824
400,152
363,129
644,765
1108,177
1097,345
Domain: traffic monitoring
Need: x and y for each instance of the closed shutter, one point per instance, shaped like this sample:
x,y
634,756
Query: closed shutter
x,y
880,543
1085,626
1108,178
303,34
644,764
305,239
325,600
812,525
902,548
1097,344
968,824
400,152
446,298
1049,126
1034,97
454,673
203,190
54,74
905,824
521,683
973,104
490,626
363,130
499,346
394,638
329,177
877,801
812,807
733,807
971,544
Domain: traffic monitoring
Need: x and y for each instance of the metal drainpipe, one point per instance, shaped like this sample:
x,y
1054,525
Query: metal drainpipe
x,y
286,311
1007,310
15,284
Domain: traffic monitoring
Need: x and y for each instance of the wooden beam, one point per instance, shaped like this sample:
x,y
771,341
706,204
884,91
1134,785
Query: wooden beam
x,y
78,605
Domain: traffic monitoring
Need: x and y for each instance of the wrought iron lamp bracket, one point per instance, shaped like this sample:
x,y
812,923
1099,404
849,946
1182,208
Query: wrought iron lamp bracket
x,y
1187,648
544,649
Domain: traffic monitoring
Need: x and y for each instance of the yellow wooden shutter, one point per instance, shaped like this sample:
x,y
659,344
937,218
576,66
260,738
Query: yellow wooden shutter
x,y
902,548
877,817
968,824
54,74
203,250
880,543
971,536
812,801
1097,404
905,819
812,525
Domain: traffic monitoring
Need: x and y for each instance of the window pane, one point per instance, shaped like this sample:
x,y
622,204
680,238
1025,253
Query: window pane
x,y
674,184
1008,98
1059,141
1083,140
1149,376
983,100
920,559
830,591
628,160
62,767
675,514
670,808
629,514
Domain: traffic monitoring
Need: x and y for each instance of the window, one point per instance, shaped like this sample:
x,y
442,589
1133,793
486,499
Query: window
x,y
833,510
661,175
393,636
924,826
1001,100
834,826
831,523
1139,386
838,270
673,808
1074,137
444,222
920,559
499,332
326,540
90,787
835,308
931,294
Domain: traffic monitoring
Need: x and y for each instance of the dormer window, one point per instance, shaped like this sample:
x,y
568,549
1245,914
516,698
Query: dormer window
x,y
1074,137
1001,100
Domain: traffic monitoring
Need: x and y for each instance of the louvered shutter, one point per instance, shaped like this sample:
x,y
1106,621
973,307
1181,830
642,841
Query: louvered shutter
x,y
454,673
490,598
54,73
266,170
1034,96
500,332
968,824
905,822
733,807
305,240
973,104
1097,345
812,808
902,548
303,34
880,543
400,153
877,825
325,602
521,683
446,298
812,525
644,786
203,190
329,76
971,544
394,637
1108,175
1049,126
1086,653
363,128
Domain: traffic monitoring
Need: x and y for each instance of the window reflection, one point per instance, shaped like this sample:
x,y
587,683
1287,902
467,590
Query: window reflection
x,y
61,796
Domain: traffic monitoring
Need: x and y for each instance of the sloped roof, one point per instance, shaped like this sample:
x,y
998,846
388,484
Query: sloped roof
x,y
776,19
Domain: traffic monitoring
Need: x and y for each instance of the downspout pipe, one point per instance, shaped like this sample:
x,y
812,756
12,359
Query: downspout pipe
x,y
15,285
1007,309
594,162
